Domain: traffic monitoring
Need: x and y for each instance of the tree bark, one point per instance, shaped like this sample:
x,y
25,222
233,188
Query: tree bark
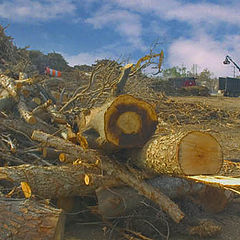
x,y
8,84
122,80
21,126
116,201
115,170
192,153
57,181
26,115
123,122
28,219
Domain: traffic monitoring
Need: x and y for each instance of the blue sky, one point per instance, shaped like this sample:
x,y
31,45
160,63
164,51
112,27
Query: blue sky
x,y
189,31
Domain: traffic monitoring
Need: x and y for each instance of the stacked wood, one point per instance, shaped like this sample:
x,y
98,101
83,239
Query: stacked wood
x,y
112,169
191,153
123,122
57,181
29,219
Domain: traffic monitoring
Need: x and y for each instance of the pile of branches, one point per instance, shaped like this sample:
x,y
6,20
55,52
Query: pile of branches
x,y
57,144
13,59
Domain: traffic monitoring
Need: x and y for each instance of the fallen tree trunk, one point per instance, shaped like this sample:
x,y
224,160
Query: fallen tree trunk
x,y
116,201
28,219
123,122
57,181
192,153
113,169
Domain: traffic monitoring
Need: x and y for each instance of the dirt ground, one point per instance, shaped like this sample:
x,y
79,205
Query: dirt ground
x,y
227,130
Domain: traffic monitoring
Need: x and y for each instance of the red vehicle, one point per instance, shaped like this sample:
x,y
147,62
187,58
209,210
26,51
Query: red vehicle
x,y
182,82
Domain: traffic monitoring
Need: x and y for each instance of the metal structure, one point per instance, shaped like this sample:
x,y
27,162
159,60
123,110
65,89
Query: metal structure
x,y
229,86
228,60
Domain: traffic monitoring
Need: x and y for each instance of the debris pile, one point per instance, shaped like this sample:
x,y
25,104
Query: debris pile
x,y
93,141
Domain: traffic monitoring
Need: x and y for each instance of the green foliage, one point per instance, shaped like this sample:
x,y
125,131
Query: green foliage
x,y
206,78
176,72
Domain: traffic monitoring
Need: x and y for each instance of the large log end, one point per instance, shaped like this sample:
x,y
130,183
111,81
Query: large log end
x,y
129,122
199,153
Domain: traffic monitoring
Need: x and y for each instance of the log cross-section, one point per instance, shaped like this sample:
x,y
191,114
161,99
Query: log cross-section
x,y
191,153
124,122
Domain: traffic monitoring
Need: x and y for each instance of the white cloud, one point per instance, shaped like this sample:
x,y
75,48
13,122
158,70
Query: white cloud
x,y
123,22
205,52
175,9
154,6
211,13
84,58
27,10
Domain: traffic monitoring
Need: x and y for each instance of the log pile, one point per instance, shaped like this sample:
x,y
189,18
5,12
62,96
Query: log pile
x,y
99,142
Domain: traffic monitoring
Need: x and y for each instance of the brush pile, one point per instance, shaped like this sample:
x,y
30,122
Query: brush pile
x,y
94,139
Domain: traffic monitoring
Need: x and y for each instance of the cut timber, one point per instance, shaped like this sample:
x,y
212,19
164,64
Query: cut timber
x,y
57,181
8,84
26,115
192,153
28,219
222,181
124,122
114,170
113,202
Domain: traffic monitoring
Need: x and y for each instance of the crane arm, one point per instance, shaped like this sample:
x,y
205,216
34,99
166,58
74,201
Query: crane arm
x,y
230,59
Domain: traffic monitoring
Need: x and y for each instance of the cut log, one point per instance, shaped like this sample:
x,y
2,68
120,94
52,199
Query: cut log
x,y
192,153
124,122
8,84
28,219
113,202
66,158
20,126
49,153
26,115
113,169
57,181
